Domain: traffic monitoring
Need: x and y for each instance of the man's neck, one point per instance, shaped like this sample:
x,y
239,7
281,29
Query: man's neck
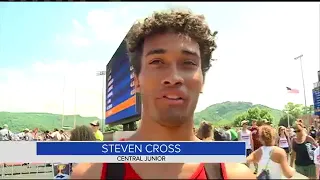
x,y
150,130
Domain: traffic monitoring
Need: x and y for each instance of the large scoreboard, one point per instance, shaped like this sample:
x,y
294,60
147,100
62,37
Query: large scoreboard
x,y
122,103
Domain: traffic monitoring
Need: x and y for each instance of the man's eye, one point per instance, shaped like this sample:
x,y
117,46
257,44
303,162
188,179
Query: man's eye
x,y
156,61
190,63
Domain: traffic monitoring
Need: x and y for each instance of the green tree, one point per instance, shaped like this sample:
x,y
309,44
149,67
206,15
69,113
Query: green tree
x,y
240,118
284,120
254,113
308,109
296,110
113,128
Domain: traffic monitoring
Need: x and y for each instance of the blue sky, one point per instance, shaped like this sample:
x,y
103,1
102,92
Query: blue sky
x,y
47,46
31,29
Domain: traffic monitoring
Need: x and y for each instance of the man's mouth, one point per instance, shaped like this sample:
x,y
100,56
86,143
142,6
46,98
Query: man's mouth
x,y
173,100
172,97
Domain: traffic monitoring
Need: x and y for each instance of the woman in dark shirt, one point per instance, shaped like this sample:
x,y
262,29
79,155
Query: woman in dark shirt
x,y
301,155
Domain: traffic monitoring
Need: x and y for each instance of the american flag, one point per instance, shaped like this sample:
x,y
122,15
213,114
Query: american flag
x,y
294,91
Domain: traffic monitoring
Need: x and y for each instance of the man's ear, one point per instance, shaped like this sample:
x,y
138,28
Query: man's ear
x,y
136,83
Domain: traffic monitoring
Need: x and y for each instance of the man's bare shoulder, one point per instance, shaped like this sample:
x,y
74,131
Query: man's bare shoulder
x,y
87,171
239,171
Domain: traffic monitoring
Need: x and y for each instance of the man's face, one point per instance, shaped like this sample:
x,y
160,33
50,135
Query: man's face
x,y
94,128
170,79
254,123
245,125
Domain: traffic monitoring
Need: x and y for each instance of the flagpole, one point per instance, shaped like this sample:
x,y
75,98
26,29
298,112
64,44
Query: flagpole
x,y
304,89
288,119
287,112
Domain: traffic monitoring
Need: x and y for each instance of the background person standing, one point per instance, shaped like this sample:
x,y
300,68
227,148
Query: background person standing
x,y
246,136
205,131
56,136
5,133
284,140
256,140
271,159
313,132
95,128
302,155
28,135
232,132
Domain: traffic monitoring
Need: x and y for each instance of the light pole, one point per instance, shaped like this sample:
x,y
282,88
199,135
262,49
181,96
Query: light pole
x,y
63,89
102,73
304,89
288,119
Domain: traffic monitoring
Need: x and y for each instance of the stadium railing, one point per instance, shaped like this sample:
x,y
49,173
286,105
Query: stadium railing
x,y
11,169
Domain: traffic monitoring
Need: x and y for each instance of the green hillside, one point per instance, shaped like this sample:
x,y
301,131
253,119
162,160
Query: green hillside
x,y
223,113
218,114
43,121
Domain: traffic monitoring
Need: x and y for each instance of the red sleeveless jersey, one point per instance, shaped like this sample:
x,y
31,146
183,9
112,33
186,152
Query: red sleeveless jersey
x,y
130,173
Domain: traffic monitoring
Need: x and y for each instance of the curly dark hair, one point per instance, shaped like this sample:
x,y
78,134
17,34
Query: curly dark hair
x,y
177,21
82,133
205,130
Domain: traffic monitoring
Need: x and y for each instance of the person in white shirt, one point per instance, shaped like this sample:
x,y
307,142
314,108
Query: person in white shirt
x,y
28,135
21,136
270,158
56,136
5,133
245,135
284,140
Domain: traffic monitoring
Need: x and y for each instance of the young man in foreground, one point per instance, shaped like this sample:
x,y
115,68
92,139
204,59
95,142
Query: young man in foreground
x,y
170,53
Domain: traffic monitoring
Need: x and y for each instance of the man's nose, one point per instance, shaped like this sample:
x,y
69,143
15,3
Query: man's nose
x,y
173,78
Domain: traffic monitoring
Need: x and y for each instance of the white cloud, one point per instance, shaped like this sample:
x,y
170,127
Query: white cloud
x,y
77,37
80,41
39,88
256,56
101,23
45,85
111,25
77,26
